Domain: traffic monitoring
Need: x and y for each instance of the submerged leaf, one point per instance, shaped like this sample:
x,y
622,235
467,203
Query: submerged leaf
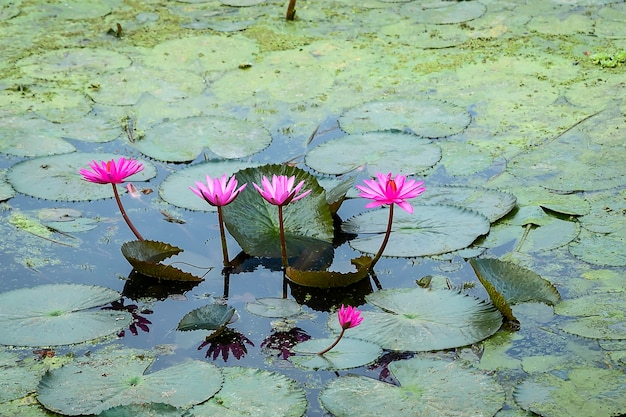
x,y
145,256
208,317
61,314
331,279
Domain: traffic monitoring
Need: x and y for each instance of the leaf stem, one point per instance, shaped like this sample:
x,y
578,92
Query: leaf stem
x,y
334,343
385,240
291,10
124,215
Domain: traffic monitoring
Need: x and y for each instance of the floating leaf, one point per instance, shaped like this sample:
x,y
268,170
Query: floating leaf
x,y
144,410
582,392
253,222
175,188
347,354
443,12
430,230
183,140
426,117
145,256
331,279
493,204
515,283
61,314
208,317
420,319
427,387
600,249
274,307
56,177
337,194
110,379
378,151
30,136
597,316
254,392
17,380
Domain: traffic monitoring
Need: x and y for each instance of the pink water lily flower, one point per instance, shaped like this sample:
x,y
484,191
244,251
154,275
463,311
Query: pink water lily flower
x,y
218,192
280,191
388,191
110,172
349,317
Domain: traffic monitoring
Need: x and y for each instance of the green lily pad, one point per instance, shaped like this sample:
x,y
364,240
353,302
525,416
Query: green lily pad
x,y
597,316
6,191
427,387
515,283
377,151
600,249
17,380
53,104
582,392
183,140
347,354
430,230
254,392
145,410
274,307
427,118
443,12
29,136
419,319
208,317
56,177
60,314
175,188
463,159
145,256
110,379
493,204
253,222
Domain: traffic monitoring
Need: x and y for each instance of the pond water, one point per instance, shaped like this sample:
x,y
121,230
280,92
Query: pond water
x,y
510,112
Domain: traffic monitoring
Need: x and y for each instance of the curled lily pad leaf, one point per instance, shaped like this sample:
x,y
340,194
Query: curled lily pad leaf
x,y
331,279
515,283
378,151
145,256
61,314
175,188
430,230
582,392
254,392
347,354
427,387
56,177
597,316
183,140
110,379
209,317
427,118
337,194
253,222
493,204
420,319
274,307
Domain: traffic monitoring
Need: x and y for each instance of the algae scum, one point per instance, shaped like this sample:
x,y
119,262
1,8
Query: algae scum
x,y
511,112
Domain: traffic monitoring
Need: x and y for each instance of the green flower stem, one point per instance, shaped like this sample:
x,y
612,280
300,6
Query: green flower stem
x,y
124,215
220,219
334,343
283,244
385,240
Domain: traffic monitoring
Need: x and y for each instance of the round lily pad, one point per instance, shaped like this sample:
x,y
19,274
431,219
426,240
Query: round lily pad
x,y
30,136
57,177
54,104
377,151
274,307
426,387
600,249
419,319
443,12
184,139
493,204
254,392
430,230
426,117
115,378
347,354
60,314
597,316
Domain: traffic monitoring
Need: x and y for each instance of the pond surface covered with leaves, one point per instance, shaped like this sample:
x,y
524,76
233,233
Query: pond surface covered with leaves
x,y
501,294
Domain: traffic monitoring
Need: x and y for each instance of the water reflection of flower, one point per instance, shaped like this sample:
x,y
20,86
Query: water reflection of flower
x,y
225,341
139,322
283,341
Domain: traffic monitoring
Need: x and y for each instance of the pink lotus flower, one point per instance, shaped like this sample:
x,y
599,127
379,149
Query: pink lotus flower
x,y
218,192
280,191
388,191
110,172
349,317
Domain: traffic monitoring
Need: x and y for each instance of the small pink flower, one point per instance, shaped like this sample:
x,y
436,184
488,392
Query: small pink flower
x,y
218,191
280,191
110,172
391,191
349,317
